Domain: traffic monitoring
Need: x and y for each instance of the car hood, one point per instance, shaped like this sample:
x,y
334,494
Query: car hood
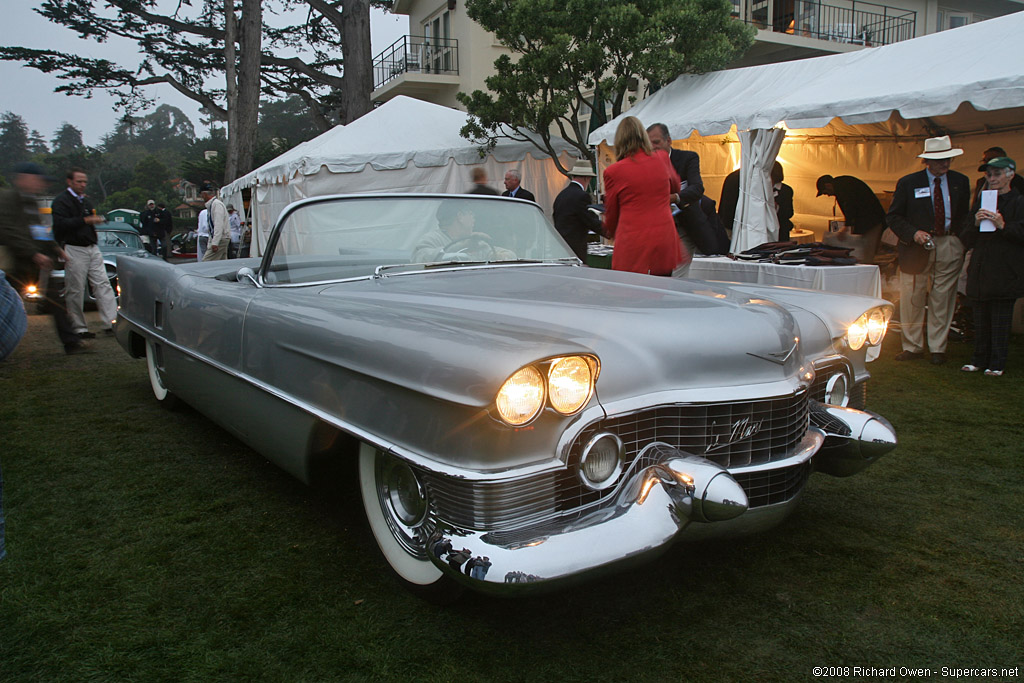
x,y
461,333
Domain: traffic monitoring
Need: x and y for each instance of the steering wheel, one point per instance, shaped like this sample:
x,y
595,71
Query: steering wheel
x,y
475,245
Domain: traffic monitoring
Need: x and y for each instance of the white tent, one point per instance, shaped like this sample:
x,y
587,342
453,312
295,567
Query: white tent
x,y
405,145
862,113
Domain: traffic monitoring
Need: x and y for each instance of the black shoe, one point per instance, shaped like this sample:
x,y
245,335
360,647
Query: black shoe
x,y
909,355
109,331
938,358
86,335
72,349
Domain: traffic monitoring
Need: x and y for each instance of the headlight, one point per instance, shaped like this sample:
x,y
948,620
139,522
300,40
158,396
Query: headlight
x,y
869,328
857,334
570,383
521,396
601,462
877,322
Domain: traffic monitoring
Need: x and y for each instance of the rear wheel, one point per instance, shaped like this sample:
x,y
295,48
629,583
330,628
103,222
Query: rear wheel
x,y
160,391
396,507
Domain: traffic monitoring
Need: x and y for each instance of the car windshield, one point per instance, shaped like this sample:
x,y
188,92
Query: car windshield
x,y
119,239
353,236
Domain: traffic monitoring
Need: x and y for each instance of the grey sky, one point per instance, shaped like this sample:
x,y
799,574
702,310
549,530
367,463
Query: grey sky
x,y
29,93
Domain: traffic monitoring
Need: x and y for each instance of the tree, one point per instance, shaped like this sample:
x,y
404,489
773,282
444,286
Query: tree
x,y
13,141
198,42
67,139
559,60
37,144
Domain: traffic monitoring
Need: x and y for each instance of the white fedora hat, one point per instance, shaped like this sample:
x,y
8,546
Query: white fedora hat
x,y
582,168
940,148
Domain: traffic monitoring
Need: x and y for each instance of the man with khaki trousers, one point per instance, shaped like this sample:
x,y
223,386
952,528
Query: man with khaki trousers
x,y
928,211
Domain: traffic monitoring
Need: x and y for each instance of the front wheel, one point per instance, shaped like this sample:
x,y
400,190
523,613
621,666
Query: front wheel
x,y
396,507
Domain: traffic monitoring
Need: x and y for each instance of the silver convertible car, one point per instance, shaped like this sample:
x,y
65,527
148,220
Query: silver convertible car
x,y
517,420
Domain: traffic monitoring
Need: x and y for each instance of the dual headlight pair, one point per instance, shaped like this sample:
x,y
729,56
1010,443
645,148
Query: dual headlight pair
x,y
564,382
869,328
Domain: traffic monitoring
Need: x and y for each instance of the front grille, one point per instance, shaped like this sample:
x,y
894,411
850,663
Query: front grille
x,y
773,486
734,435
712,430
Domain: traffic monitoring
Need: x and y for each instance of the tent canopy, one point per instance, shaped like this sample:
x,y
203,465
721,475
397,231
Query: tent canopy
x,y
861,113
405,145
926,77
401,131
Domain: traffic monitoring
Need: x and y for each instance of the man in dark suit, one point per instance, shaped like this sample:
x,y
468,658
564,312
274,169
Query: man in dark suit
x,y
928,211
513,178
698,234
573,219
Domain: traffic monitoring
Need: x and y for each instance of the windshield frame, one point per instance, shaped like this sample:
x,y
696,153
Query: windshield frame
x,y
387,270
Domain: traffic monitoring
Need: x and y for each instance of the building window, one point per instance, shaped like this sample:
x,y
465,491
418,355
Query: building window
x,y
438,32
955,18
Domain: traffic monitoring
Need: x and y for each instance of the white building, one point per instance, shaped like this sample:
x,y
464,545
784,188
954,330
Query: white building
x,y
445,52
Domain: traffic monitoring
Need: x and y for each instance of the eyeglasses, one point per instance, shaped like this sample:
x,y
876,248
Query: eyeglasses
x,y
995,172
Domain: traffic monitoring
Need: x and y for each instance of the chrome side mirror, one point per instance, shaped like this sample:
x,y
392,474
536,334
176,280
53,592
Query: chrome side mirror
x,y
246,275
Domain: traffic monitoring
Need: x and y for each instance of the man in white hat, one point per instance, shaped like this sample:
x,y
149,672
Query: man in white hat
x,y
928,211
573,219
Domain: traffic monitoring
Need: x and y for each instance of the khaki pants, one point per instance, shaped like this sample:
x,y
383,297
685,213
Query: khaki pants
x,y
219,255
934,290
86,264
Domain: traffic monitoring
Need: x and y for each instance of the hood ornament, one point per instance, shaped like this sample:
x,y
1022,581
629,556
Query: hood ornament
x,y
780,358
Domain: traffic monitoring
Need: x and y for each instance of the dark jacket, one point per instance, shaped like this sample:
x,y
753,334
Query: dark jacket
x,y
861,209
730,197
18,213
147,226
996,270
687,165
784,211
573,219
69,226
908,214
523,193
482,189
165,225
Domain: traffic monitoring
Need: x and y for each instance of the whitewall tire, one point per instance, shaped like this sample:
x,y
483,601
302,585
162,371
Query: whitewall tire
x,y
396,506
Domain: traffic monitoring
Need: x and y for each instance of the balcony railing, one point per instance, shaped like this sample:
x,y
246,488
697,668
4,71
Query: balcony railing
x,y
416,54
860,23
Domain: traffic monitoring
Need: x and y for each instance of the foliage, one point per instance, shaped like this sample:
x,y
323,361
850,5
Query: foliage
x,y
557,60
190,47
157,547
67,140
14,141
37,144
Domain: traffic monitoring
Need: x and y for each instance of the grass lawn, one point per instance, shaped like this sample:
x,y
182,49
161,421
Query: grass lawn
x,y
150,545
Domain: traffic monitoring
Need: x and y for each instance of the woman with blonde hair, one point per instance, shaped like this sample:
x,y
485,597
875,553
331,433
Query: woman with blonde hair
x,y
638,214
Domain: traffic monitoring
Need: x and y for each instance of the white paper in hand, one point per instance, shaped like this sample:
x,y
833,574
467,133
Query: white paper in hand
x,y
989,199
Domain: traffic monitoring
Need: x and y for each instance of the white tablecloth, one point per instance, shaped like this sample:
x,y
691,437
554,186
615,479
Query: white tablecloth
x,y
859,279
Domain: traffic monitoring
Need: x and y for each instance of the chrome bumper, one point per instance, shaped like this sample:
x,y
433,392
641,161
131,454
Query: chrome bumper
x,y
680,496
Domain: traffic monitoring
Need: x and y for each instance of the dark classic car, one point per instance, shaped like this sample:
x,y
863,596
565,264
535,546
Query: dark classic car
x,y
113,239
519,420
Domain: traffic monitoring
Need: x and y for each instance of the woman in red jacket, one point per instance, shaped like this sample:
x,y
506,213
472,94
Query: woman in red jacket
x,y
638,214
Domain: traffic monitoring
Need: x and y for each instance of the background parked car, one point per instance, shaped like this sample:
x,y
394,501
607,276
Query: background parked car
x,y
114,239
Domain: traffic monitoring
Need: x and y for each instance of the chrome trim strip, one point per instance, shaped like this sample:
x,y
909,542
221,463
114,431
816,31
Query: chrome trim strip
x,y
415,458
372,276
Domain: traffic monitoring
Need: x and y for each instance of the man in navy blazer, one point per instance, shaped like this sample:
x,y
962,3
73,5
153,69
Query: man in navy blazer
x,y
699,235
928,211
513,189
572,215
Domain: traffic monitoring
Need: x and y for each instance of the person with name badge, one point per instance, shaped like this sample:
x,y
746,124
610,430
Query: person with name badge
x,y
929,211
